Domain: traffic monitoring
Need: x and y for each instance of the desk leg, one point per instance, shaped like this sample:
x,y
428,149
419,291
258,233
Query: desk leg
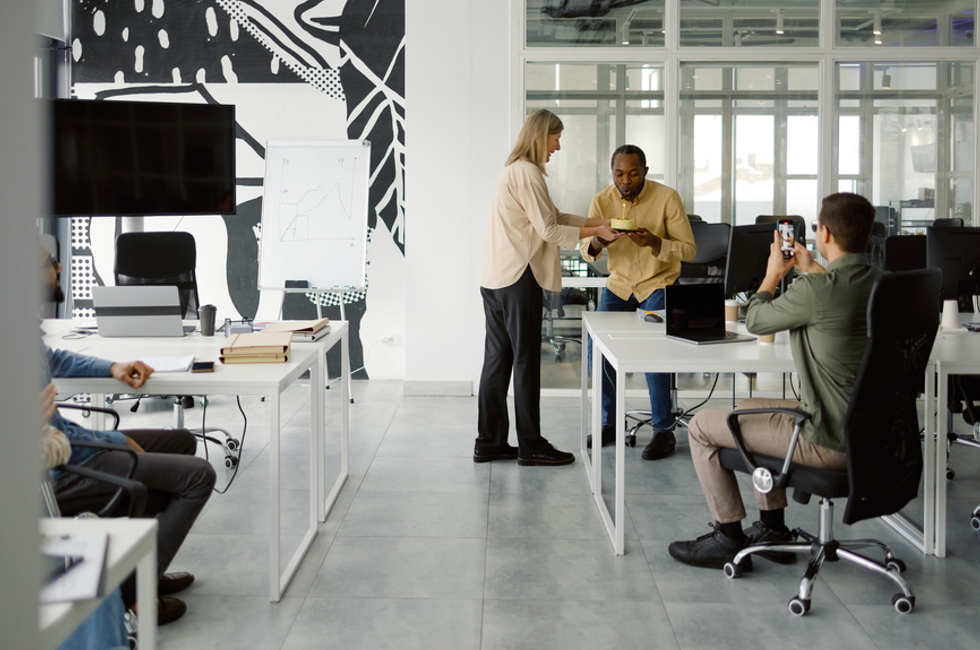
x,y
620,498
596,480
317,464
586,454
939,446
146,592
275,593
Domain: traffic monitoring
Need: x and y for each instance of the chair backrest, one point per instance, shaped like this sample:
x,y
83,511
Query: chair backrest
x,y
884,454
905,253
954,222
708,264
160,258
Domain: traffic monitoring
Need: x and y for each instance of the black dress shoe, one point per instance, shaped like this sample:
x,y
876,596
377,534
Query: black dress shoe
x,y
172,583
661,446
608,436
169,609
759,532
711,551
486,454
545,455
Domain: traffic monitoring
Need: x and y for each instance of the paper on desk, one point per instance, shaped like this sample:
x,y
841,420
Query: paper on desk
x,y
169,364
84,580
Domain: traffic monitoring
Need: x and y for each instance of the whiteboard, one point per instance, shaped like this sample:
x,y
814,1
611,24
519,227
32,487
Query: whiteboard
x,y
314,213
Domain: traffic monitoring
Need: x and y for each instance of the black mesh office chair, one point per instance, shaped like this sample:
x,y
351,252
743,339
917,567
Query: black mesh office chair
x,y
169,258
905,253
128,500
707,266
884,455
953,222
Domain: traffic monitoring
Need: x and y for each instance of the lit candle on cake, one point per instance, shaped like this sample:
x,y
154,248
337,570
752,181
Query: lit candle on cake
x,y
624,223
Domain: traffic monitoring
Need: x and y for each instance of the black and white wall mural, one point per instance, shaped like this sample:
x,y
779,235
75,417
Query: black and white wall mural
x,y
295,70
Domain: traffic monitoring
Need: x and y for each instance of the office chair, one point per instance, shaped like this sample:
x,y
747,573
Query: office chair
x,y
554,309
707,266
169,258
884,455
905,253
773,218
954,222
133,491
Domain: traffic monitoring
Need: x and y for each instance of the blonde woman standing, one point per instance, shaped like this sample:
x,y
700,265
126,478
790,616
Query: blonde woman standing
x,y
521,259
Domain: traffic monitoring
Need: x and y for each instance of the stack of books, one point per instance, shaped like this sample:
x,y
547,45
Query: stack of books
x,y
257,347
302,330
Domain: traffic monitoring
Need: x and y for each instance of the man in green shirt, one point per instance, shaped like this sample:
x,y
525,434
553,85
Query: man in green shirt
x,y
825,313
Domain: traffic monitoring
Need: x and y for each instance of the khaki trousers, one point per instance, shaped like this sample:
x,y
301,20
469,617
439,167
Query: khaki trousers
x,y
768,434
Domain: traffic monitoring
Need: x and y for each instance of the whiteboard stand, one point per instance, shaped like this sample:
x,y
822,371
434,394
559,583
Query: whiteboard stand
x,y
319,314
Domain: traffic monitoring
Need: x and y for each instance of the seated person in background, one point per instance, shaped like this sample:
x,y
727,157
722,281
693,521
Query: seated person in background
x,y
825,312
639,268
177,482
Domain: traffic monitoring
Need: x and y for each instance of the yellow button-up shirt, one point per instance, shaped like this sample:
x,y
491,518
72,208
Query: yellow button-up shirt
x,y
525,229
635,270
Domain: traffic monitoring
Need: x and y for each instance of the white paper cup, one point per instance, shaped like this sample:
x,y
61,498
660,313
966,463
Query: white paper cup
x,y
951,315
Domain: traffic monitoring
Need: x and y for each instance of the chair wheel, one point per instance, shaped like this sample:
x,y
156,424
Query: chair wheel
x,y
732,570
903,604
950,474
976,431
231,462
231,444
631,440
896,564
798,606
975,522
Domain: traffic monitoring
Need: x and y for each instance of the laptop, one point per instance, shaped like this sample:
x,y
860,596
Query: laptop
x,y
138,311
695,313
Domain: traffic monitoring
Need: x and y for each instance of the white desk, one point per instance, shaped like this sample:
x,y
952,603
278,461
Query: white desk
x,y
631,345
955,353
268,379
132,544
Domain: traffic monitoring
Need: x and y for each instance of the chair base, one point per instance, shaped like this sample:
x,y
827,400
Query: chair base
x,y
824,548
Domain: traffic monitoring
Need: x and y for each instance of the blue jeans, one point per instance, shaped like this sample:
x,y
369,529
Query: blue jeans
x,y
657,383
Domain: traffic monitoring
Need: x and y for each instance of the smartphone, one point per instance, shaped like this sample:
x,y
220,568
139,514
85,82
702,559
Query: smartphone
x,y
785,227
203,366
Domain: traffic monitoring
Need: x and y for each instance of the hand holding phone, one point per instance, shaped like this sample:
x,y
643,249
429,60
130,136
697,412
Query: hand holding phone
x,y
785,228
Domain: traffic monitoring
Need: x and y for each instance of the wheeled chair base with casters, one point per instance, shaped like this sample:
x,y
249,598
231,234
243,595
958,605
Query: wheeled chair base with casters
x,y
824,548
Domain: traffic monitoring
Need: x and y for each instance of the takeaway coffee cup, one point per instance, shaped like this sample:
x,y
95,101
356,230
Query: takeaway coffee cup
x,y
951,315
767,338
731,311
207,315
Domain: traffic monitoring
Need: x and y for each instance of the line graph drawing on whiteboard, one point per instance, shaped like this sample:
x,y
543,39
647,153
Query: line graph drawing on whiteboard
x,y
319,213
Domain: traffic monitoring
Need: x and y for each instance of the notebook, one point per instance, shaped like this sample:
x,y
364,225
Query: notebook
x,y
695,313
138,311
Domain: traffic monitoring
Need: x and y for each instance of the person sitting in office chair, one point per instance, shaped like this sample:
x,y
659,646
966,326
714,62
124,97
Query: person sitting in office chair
x,y
178,483
826,315
640,266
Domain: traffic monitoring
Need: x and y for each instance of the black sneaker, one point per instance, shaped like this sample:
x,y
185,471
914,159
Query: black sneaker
x,y
486,454
608,436
711,551
759,532
662,445
546,454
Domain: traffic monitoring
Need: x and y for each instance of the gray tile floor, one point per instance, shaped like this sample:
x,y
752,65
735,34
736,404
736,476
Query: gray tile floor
x,y
426,549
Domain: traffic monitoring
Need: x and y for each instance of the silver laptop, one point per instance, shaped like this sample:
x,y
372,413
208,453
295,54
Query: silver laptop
x,y
138,311
695,313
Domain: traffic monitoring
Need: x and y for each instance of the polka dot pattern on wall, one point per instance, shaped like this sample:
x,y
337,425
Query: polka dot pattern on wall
x,y
82,277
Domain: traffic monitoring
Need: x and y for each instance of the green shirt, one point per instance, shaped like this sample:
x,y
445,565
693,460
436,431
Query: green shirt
x,y
826,314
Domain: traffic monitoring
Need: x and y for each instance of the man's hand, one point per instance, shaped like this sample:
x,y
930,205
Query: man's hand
x,y
47,403
132,444
643,237
804,261
133,373
777,266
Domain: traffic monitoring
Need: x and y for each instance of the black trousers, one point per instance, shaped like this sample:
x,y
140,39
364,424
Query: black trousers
x,y
513,345
178,484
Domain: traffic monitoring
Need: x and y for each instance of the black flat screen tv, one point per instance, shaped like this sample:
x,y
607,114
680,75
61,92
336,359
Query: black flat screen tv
x,y
123,158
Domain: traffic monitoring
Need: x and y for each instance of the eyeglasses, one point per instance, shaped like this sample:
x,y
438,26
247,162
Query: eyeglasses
x,y
813,226
52,261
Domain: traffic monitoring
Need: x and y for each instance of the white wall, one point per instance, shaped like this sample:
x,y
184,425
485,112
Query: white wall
x,y
458,109
19,356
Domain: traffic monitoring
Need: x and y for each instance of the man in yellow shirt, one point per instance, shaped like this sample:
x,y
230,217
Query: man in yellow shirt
x,y
640,266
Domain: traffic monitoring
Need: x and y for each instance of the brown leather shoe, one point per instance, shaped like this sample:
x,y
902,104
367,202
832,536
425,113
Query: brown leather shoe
x,y
169,609
172,583
661,446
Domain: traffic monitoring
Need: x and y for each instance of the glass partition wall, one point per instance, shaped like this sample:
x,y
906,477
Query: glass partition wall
x,y
749,108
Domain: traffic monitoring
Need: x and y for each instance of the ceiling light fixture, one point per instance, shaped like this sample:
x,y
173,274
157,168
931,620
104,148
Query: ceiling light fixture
x,y
738,39
886,81
876,30
779,22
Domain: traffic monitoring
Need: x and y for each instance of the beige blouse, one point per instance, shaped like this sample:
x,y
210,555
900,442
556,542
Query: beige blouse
x,y
526,229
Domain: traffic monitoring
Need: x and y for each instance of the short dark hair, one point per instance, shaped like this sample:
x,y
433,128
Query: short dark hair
x,y
629,150
849,218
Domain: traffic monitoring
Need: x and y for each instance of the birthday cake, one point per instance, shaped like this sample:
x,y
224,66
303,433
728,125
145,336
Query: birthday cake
x,y
622,224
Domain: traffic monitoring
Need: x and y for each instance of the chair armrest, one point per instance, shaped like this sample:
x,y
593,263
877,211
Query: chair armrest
x,y
89,409
134,489
762,478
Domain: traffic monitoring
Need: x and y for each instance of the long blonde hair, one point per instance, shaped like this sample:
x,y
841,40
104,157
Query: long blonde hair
x,y
532,143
